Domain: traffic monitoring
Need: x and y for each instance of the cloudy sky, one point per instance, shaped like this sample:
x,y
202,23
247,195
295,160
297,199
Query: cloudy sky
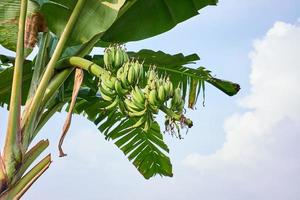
x,y
242,147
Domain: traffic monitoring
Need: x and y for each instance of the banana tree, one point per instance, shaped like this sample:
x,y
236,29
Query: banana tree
x,y
120,92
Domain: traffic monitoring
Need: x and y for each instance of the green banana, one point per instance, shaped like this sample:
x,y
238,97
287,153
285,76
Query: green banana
x,y
151,75
141,75
119,58
137,70
138,95
147,124
168,86
137,114
104,91
109,82
161,93
113,53
140,122
176,100
113,104
125,57
153,98
119,89
108,58
131,77
131,107
105,96
152,85
120,73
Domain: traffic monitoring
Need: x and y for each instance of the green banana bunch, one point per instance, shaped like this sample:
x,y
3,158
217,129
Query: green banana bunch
x,y
125,91
114,57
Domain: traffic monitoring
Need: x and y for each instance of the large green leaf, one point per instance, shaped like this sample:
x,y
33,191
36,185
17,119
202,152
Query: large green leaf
x,y
95,18
140,19
9,15
186,77
146,150
6,77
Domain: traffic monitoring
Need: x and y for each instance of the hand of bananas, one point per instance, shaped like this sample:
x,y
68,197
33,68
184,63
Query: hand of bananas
x,y
138,94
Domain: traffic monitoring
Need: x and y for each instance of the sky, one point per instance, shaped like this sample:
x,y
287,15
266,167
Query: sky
x,y
242,147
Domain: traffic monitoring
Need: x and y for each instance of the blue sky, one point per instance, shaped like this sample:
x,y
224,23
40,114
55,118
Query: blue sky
x,y
239,148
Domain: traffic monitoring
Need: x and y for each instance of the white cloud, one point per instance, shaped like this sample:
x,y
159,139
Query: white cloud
x,y
260,158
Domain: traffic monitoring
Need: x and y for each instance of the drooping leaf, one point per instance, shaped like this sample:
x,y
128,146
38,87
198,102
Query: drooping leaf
x,y
227,87
95,18
146,150
174,67
192,93
140,19
160,58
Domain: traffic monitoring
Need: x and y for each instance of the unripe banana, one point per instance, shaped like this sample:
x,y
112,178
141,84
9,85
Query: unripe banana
x,y
124,75
140,122
106,92
113,104
141,75
171,90
151,75
138,95
167,87
113,53
119,89
137,113
125,57
177,97
161,93
119,73
147,124
109,82
159,82
132,107
153,98
152,85
108,58
131,77
119,58
137,70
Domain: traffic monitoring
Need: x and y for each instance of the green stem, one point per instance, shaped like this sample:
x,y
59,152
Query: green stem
x,y
169,112
30,157
18,190
12,147
84,64
55,84
35,105
39,65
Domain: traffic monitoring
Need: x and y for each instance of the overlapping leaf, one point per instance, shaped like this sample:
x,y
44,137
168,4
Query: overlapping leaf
x,y
140,19
146,150
188,78
95,18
